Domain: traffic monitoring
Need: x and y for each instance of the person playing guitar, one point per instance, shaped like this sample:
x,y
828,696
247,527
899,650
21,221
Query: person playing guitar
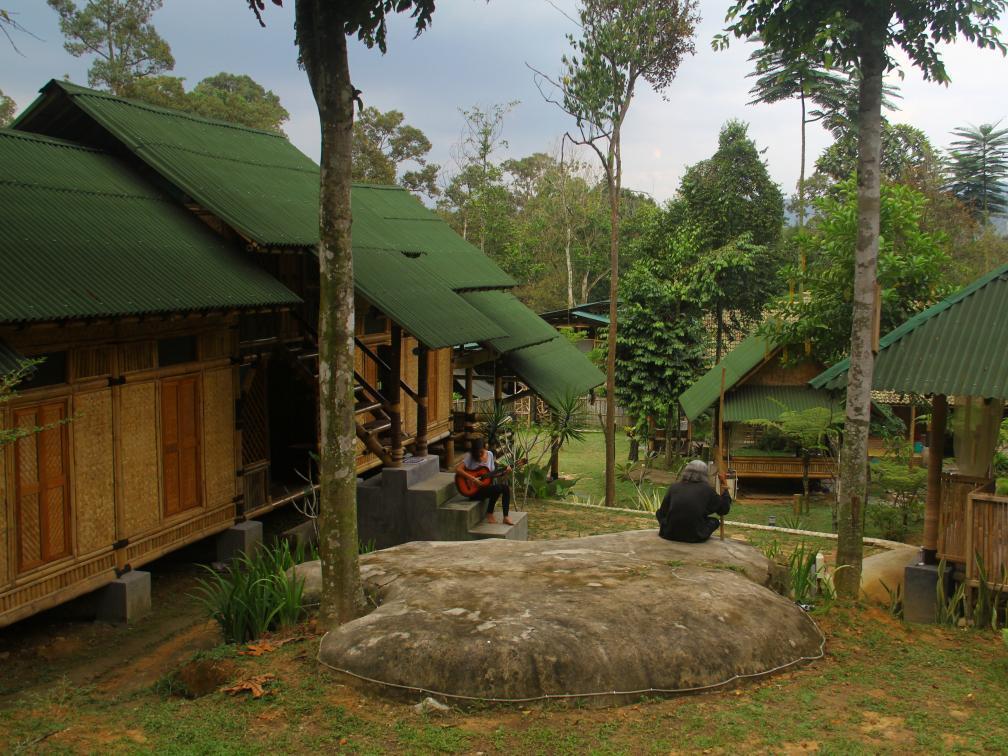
x,y
475,478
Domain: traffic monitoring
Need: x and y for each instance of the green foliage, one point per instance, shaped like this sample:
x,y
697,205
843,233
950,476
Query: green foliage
x,y
121,37
802,574
895,596
382,143
949,608
533,481
978,167
912,268
7,109
8,383
1001,486
905,150
902,490
661,343
987,606
255,594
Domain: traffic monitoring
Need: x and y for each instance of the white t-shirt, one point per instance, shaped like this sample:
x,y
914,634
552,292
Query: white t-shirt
x,y
471,464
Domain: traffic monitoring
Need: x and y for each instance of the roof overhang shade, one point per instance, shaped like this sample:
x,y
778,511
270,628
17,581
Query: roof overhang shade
x,y
555,370
738,363
407,288
83,237
958,347
749,403
523,327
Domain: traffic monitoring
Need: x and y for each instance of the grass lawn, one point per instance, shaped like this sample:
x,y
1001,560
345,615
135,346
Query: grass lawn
x,y
883,687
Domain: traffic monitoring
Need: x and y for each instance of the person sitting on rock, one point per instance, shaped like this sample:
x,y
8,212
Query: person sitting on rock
x,y
685,512
492,486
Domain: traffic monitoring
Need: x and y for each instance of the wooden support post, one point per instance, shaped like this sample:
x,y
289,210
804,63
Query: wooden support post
x,y
910,432
423,376
498,389
449,444
470,415
721,465
395,395
936,453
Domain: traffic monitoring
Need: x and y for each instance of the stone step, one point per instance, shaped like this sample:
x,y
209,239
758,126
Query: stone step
x,y
438,488
472,510
516,532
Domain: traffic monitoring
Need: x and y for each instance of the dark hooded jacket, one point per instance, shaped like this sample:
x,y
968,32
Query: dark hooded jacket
x,y
686,511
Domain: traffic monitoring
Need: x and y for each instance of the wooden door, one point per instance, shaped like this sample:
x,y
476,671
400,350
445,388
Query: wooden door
x,y
180,444
42,486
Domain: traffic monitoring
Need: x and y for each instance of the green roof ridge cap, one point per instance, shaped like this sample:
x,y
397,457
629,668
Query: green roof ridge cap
x,y
76,90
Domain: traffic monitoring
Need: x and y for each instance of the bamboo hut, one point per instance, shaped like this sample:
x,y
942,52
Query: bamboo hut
x,y
421,293
954,353
134,306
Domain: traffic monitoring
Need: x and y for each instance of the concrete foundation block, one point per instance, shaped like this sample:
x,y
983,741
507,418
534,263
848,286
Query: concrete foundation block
x,y
920,584
239,539
302,535
414,470
125,599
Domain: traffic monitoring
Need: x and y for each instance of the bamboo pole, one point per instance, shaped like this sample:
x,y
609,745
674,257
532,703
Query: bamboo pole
x,y
423,380
936,453
449,445
395,396
913,425
470,415
722,468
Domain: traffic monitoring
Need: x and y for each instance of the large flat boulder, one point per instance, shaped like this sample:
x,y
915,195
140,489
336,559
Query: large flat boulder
x,y
628,613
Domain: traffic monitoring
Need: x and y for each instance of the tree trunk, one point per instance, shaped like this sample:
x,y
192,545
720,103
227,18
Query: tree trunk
x,y
610,424
324,52
570,270
854,460
801,177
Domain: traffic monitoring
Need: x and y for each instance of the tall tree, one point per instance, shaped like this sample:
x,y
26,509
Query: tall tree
x,y
239,98
858,34
383,142
738,213
236,98
978,164
7,109
622,43
779,78
905,150
322,28
120,36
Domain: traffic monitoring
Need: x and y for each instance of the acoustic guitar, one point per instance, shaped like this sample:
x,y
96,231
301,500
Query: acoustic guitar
x,y
484,478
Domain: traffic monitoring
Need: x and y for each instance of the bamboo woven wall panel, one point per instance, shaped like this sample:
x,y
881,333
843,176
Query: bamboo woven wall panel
x,y
6,510
94,473
138,453
188,531
989,540
140,355
51,585
774,373
219,435
952,517
91,363
255,484
255,420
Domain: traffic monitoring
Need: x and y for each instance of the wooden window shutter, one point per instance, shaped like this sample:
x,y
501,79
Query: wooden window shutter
x,y
180,444
42,486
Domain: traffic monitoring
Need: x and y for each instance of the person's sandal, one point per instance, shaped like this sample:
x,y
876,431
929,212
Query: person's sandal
x,y
507,521
491,519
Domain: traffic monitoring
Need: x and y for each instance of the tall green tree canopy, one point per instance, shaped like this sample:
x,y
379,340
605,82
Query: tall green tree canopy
x,y
383,142
905,150
978,167
120,36
7,109
913,270
236,98
621,44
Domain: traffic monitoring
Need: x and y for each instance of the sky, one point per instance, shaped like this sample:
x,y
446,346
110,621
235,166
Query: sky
x,y
479,54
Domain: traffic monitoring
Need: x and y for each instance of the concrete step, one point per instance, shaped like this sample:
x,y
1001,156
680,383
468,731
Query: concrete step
x,y
516,532
472,510
438,488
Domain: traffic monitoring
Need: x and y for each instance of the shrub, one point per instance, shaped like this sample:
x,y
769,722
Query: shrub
x,y
255,594
901,489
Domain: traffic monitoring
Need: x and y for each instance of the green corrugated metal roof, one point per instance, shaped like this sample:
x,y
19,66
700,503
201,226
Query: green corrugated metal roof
x,y
555,370
957,347
523,327
738,362
409,290
747,403
603,319
84,236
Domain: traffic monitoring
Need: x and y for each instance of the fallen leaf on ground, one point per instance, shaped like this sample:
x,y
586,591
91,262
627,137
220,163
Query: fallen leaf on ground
x,y
266,646
254,685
